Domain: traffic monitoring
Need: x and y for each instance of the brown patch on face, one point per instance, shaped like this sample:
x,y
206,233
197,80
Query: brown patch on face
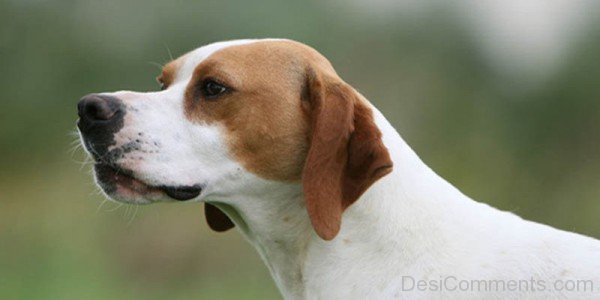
x,y
266,123
289,117
167,76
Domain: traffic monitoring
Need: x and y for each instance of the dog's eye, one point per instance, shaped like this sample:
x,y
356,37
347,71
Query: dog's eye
x,y
211,89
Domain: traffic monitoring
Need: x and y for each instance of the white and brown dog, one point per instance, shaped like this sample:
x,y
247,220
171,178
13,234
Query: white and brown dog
x,y
277,144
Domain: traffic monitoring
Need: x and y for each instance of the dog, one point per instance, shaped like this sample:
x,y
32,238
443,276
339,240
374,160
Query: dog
x,y
276,144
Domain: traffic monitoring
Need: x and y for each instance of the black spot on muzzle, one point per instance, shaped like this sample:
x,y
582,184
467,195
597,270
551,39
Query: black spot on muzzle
x,y
100,117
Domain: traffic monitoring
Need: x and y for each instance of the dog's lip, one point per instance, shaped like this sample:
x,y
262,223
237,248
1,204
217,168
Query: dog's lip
x,y
122,177
182,193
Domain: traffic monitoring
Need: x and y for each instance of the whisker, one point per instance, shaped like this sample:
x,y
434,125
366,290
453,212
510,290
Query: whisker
x,y
74,148
126,212
75,141
73,132
160,66
101,205
119,205
135,210
96,190
82,164
169,51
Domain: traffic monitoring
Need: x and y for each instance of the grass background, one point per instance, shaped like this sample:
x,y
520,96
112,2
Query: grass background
x,y
510,124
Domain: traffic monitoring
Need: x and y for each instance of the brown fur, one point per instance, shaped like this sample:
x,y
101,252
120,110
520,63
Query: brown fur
x,y
346,153
268,129
167,76
289,117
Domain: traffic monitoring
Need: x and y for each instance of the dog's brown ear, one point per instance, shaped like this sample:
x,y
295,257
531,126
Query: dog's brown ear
x,y
216,219
346,154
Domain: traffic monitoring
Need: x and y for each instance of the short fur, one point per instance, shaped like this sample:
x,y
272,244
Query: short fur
x,y
319,182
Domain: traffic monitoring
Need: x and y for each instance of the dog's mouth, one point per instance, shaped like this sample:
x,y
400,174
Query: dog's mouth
x,y
122,185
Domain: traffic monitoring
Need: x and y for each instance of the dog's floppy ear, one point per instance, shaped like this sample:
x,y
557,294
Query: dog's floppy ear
x,y
346,154
216,219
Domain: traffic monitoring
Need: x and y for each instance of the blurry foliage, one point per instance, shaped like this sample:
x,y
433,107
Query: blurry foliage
x,y
534,150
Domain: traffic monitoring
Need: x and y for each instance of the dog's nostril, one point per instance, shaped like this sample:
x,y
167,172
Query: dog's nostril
x,y
100,111
97,108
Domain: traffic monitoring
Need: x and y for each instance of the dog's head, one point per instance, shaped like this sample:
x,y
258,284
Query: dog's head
x,y
230,113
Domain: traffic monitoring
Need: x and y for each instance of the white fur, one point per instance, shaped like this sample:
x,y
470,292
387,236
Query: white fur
x,y
409,223
173,150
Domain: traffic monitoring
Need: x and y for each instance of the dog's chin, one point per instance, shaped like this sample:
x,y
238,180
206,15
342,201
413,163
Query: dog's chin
x,y
121,185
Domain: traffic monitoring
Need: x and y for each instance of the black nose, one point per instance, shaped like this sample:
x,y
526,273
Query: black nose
x,y
98,108
100,117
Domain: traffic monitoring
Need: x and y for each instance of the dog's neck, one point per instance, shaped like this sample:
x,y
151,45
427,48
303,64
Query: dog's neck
x,y
393,218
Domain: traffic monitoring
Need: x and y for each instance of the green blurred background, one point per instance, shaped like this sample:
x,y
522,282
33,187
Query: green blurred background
x,y
502,98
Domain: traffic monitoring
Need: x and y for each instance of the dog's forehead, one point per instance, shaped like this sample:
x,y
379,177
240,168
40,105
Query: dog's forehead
x,y
182,68
192,59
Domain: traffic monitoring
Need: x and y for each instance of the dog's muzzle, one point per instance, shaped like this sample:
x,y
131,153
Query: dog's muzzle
x,y
100,118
